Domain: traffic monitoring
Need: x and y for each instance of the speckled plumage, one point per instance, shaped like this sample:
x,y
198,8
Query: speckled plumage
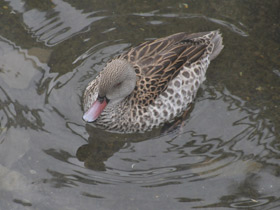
x,y
169,72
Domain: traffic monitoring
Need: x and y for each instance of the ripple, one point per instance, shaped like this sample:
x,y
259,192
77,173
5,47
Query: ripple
x,y
224,23
277,72
155,22
250,203
101,51
234,28
231,26
141,173
64,22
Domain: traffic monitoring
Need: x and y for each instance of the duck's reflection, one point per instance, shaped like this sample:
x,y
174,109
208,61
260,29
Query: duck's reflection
x,y
102,145
99,149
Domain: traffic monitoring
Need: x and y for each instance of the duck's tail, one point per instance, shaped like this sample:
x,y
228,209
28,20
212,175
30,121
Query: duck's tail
x,y
217,40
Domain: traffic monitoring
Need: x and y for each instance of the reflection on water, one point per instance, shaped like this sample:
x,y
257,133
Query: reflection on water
x,y
59,23
224,155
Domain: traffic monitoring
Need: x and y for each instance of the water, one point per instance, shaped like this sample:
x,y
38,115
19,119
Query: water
x,y
224,156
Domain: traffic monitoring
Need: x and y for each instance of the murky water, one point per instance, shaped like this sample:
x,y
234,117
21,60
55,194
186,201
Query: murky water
x,y
226,154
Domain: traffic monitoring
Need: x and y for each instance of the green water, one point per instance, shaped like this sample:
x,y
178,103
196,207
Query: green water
x,y
224,156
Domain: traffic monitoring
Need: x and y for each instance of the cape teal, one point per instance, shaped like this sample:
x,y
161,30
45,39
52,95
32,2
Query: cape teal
x,y
150,84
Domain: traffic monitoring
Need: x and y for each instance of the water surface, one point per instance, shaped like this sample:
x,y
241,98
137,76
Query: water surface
x,y
226,153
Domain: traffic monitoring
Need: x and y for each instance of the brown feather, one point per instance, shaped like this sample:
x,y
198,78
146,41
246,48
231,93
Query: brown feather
x,y
169,54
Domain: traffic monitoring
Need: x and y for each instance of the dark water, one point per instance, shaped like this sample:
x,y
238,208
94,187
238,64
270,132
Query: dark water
x,y
226,154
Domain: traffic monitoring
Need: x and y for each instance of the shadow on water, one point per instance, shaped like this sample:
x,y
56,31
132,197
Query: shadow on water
x,y
102,145
225,154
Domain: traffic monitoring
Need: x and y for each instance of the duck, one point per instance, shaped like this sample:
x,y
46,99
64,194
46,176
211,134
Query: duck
x,y
150,84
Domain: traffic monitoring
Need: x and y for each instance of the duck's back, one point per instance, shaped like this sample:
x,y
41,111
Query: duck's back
x,y
169,71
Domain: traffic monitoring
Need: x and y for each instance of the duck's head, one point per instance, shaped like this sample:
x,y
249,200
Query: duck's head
x,y
117,80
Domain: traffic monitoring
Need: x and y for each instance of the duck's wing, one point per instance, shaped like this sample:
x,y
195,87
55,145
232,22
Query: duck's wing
x,y
158,62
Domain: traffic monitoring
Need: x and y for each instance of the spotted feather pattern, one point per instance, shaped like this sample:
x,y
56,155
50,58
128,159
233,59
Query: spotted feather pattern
x,y
169,71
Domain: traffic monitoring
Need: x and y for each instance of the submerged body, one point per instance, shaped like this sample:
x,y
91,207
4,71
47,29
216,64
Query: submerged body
x,y
150,84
